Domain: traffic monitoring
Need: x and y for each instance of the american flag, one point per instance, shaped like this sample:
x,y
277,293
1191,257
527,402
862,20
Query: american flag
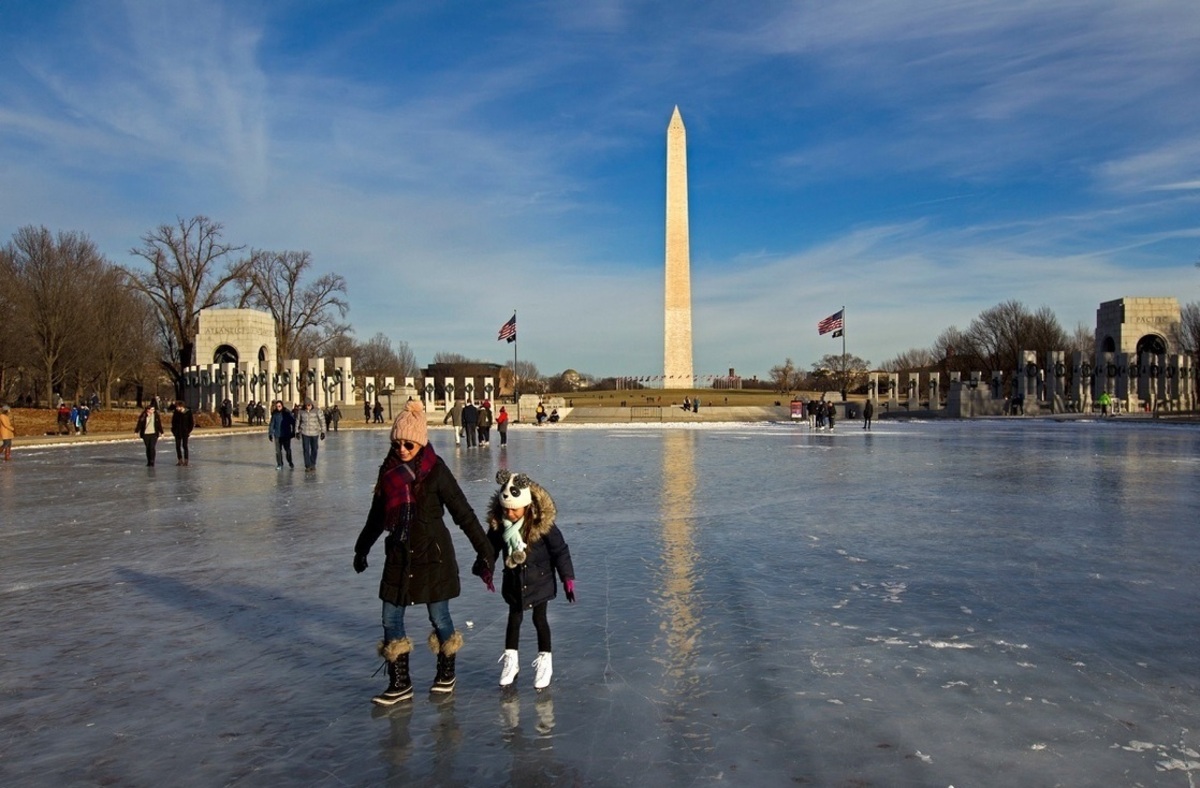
x,y
831,323
509,330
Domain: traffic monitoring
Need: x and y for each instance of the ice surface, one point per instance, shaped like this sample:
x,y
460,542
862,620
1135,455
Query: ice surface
x,y
1001,603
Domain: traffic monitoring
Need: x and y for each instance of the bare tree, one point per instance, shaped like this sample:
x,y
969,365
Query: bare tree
x,y
1082,340
1188,339
996,338
913,358
186,276
785,377
836,372
52,309
301,310
377,358
123,342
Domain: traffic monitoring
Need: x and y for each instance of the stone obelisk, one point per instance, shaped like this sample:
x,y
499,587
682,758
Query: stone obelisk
x,y
677,339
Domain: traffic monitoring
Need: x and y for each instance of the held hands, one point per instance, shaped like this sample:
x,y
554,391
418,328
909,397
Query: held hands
x,y
360,563
569,586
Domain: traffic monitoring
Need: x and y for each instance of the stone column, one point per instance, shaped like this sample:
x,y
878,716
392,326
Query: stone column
x,y
1081,390
295,386
1126,396
893,384
370,393
315,382
346,389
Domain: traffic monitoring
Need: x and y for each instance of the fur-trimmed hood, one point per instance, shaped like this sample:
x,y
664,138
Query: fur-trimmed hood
x,y
539,517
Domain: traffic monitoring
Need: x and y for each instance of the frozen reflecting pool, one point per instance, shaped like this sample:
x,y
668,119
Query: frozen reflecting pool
x,y
1002,603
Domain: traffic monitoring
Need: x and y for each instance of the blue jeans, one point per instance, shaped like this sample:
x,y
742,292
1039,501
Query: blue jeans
x,y
439,616
309,443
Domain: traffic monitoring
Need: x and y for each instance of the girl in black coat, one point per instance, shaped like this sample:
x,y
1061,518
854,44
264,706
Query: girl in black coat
x,y
521,528
414,489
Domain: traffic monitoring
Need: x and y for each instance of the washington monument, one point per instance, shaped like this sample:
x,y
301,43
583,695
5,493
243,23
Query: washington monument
x,y
677,339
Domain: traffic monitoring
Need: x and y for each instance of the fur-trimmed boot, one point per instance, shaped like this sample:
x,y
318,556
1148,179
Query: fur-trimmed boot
x,y
445,660
395,653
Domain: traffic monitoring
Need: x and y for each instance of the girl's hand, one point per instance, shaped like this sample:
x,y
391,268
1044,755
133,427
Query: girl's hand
x,y
569,585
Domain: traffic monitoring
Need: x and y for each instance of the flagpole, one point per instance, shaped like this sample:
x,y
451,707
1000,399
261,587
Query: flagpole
x,y
516,389
845,373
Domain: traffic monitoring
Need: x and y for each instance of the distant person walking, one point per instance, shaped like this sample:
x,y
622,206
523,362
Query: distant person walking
x,y
502,426
470,424
182,424
7,432
311,432
367,411
454,417
485,423
149,427
378,412
280,431
868,412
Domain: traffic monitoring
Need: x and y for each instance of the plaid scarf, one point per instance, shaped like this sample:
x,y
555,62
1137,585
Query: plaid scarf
x,y
397,484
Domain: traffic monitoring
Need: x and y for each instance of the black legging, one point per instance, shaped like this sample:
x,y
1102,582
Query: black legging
x,y
512,636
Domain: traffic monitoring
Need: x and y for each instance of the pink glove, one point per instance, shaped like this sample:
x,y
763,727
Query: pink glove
x,y
569,585
487,580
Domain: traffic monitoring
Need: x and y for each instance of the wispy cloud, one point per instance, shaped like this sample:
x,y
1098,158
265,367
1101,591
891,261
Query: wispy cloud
x,y
916,162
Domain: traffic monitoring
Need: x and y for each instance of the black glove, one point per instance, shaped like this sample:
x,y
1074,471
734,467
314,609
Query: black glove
x,y
360,563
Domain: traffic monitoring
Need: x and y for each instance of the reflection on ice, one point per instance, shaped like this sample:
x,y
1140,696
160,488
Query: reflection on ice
x,y
921,604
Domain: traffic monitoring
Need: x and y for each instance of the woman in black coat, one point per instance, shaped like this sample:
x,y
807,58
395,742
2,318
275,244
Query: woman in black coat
x,y
414,489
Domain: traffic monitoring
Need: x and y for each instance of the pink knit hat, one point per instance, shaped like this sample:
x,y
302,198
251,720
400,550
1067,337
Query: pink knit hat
x,y
410,424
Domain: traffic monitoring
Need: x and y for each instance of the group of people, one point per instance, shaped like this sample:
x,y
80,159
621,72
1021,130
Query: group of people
x,y
691,404
821,414
413,489
150,427
307,423
73,420
541,417
474,422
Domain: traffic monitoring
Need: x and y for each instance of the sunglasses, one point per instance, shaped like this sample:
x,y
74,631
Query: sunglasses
x,y
408,445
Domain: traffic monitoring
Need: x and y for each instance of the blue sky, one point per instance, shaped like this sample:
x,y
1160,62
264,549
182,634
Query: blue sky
x,y
917,162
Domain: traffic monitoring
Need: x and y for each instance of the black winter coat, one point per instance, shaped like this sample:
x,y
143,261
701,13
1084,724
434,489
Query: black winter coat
x,y
424,569
532,582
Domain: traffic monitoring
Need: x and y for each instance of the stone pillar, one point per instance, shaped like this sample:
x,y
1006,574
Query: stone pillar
x,y
489,389
448,388
1080,391
893,383
912,391
345,392
295,386
1126,394
370,393
315,382
935,396
997,386
873,387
